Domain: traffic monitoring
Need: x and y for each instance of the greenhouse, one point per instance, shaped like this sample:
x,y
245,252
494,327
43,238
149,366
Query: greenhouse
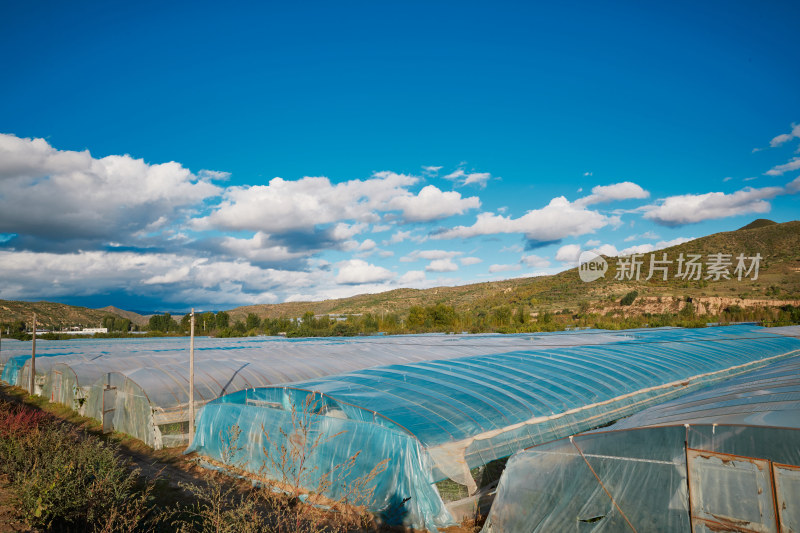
x,y
724,458
443,424
141,386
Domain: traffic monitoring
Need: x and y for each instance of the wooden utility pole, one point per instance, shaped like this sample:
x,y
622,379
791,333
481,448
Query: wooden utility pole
x,y
191,378
33,357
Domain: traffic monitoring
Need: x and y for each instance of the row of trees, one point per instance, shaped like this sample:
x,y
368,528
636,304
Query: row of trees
x,y
433,318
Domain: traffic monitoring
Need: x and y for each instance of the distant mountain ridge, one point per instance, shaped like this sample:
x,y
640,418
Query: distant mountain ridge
x,y
135,318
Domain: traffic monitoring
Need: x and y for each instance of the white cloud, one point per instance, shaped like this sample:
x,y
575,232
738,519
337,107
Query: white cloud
x,y
592,242
259,248
467,261
343,231
399,237
691,208
636,249
673,242
285,205
358,271
367,245
504,268
432,204
609,250
214,175
515,248
428,255
456,175
557,220
618,191
477,178
473,178
779,170
786,137
646,235
380,228
535,261
568,253
441,265
411,277
184,280
431,170
60,194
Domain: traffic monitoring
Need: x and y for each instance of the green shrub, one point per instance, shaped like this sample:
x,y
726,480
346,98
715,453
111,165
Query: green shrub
x,y
629,298
62,478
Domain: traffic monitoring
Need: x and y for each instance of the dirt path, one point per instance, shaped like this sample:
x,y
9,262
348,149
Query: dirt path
x,y
10,521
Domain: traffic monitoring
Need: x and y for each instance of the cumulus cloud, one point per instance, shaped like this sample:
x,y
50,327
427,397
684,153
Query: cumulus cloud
x,y
412,277
431,203
52,194
358,271
441,265
568,253
626,190
691,208
559,219
467,261
343,231
534,261
428,255
305,204
259,249
398,237
284,205
367,245
504,268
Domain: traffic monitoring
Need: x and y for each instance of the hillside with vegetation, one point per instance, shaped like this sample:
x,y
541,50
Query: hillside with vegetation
x,y
777,284
50,315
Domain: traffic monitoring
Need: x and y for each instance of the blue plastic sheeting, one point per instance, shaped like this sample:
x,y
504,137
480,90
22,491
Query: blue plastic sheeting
x,y
736,433
150,375
466,412
407,474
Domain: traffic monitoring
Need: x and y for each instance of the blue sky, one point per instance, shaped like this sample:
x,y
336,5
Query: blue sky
x,y
162,157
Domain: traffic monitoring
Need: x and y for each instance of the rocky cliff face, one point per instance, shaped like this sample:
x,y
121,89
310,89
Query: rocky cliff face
x,y
702,305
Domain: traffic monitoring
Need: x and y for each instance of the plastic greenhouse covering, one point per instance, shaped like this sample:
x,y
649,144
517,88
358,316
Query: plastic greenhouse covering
x,y
444,420
141,386
724,458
